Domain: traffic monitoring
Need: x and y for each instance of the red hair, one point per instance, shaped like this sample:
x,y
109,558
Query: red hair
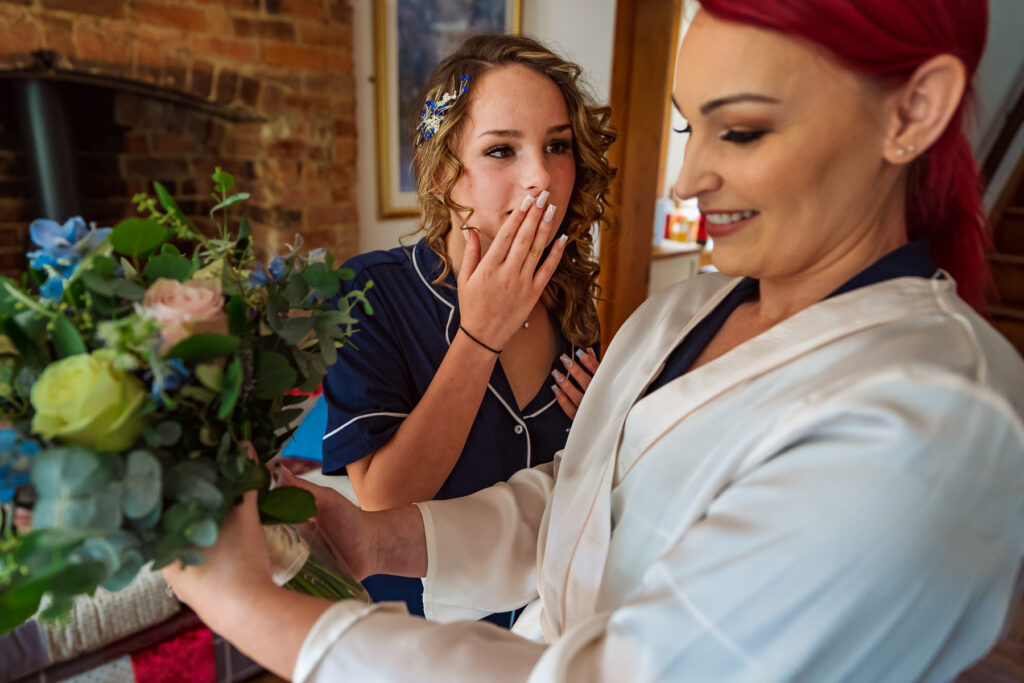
x,y
888,40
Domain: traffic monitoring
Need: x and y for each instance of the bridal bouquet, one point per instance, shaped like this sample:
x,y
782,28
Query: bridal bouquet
x,y
134,363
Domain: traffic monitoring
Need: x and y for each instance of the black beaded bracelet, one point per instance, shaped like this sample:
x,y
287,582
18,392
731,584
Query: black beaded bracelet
x,y
496,352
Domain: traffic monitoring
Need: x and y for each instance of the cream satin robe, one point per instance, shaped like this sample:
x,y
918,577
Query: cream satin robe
x,y
839,499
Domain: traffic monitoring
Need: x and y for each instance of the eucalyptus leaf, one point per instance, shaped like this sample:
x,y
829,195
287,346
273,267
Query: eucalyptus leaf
x,y
294,329
233,199
273,375
98,512
168,266
70,469
199,467
66,339
328,353
150,521
297,290
100,550
167,432
319,277
135,237
200,348
203,534
131,562
97,283
232,388
126,289
142,484
195,489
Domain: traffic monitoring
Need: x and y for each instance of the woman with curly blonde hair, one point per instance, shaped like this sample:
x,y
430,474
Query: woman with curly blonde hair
x,y
450,389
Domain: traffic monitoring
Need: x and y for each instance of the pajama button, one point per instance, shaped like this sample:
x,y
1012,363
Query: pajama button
x,y
518,429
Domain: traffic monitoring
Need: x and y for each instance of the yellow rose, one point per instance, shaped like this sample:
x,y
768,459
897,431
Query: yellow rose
x,y
84,400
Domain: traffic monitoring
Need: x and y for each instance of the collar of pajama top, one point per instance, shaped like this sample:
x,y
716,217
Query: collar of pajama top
x,y
910,260
382,376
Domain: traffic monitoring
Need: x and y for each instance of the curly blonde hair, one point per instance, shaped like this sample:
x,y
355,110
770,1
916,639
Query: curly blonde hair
x,y
572,291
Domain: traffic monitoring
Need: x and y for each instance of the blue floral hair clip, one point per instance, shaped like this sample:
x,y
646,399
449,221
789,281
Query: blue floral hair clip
x,y
435,110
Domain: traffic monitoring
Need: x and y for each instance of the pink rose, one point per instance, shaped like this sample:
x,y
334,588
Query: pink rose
x,y
185,308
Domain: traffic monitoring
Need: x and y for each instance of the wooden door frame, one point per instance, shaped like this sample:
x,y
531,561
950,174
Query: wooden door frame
x,y
646,33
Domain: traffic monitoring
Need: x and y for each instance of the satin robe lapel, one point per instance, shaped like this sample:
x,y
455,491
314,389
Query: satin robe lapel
x,y
586,544
657,414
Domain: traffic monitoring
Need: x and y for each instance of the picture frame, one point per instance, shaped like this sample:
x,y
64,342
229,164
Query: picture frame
x,y
410,38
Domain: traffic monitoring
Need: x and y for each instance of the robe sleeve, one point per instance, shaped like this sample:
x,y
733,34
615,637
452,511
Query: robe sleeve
x,y
482,549
881,542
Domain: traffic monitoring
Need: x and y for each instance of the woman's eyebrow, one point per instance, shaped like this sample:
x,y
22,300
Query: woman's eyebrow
x,y
710,106
515,133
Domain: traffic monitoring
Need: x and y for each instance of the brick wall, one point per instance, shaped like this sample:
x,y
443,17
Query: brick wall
x,y
167,89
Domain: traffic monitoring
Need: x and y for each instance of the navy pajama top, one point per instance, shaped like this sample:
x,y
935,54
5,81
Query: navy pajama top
x,y
380,377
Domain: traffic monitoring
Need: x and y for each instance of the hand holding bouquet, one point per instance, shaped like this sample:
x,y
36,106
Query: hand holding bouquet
x,y
134,362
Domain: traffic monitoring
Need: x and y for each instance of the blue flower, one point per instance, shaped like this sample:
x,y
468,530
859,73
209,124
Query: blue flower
x,y
261,276
53,288
178,376
61,248
15,462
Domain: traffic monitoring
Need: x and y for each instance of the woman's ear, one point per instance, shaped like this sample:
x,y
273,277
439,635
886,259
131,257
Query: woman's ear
x,y
923,106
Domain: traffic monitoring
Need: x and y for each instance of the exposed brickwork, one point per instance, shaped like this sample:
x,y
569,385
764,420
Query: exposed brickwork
x,y
287,62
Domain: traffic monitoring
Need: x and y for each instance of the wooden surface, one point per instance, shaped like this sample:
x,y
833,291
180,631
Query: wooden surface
x,y
646,32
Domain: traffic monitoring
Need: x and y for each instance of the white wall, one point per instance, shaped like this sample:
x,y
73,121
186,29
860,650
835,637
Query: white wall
x,y
579,30
1000,76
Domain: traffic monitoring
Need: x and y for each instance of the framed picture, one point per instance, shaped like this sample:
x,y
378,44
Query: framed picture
x,y
411,38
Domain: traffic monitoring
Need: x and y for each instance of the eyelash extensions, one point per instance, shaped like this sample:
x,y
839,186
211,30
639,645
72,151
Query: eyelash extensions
x,y
740,137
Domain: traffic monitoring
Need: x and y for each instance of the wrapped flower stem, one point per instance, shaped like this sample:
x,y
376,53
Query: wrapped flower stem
x,y
306,563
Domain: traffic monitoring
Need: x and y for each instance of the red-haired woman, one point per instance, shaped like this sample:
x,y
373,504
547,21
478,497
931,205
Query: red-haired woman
x,y
809,467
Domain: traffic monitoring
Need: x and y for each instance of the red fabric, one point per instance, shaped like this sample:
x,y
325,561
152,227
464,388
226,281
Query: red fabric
x,y
316,392
187,658
889,40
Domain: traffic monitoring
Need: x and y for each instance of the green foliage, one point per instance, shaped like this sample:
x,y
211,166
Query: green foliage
x,y
286,505
201,348
170,266
100,516
66,339
135,237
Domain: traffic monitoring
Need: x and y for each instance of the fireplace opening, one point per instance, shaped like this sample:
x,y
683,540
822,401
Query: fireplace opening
x,y
75,148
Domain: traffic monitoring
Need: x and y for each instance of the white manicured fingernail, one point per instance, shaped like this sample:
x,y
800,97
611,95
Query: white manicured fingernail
x,y
566,361
527,200
554,388
563,239
559,377
550,213
465,234
542,198
579,353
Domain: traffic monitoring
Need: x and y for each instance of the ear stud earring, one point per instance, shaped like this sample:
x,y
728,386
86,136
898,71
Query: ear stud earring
x,y
909,149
